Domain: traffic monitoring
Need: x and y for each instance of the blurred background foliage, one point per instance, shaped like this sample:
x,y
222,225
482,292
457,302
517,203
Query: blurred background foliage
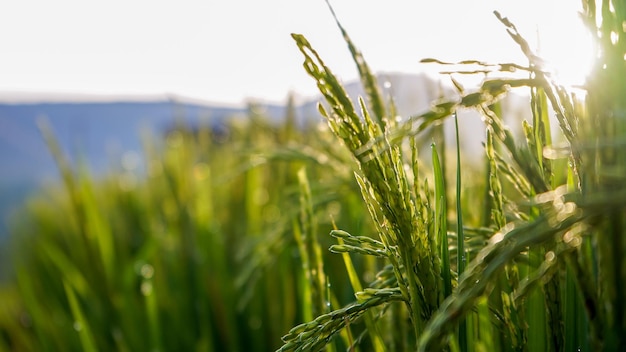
x,y
196,252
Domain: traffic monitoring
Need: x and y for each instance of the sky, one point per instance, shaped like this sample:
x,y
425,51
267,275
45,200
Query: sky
x,y
233,51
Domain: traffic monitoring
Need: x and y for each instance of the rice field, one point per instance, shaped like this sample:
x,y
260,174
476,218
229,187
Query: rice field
x,y
349,235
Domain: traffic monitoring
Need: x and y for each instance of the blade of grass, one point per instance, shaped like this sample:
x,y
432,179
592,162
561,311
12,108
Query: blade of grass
x,y
370,324
441,223
461,259
151,306
311,245
367,78
81,325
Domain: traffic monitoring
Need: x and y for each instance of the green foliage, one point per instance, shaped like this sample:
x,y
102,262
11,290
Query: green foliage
x,y
547,251
221,245
196,252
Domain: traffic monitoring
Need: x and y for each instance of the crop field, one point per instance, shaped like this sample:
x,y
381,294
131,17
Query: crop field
x,y
365,232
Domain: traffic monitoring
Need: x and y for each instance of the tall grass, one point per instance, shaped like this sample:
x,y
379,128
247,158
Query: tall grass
x,y
196,252
222,244
554,240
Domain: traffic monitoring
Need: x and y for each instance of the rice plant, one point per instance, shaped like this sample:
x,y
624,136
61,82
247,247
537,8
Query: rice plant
x,y
196,252
554,238
368,234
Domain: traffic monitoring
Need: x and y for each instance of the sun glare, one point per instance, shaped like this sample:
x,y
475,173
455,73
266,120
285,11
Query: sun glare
x,y
568,50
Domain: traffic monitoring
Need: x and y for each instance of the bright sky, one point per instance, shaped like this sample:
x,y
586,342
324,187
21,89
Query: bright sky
x,y
230,50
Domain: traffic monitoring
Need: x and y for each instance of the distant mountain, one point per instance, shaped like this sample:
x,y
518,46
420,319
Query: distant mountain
x,y
97,129
92,131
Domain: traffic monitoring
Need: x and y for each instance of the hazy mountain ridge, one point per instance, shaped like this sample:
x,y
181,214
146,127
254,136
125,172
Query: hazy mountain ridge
x,y
99,129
